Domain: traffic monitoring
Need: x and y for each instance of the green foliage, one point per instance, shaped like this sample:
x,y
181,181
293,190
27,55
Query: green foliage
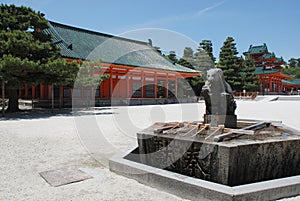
x,y
26,54
230,63
197,83
24,45
157,49
292,71
188,60
250,81
59,72
185,63
20,34
203,61
207,46
188,53
294,63
88,74
14,69
204,58
188,56
172,57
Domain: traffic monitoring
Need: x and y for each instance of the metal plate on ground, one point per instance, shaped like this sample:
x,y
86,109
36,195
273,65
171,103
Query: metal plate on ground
x,y
64,176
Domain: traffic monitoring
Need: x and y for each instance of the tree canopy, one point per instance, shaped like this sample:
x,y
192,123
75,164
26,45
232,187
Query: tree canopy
x,y
88,74
293,71
207,46
230,63
293,62
26,53
250,81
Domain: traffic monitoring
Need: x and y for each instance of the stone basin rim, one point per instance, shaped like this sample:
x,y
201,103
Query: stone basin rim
x,y
265,190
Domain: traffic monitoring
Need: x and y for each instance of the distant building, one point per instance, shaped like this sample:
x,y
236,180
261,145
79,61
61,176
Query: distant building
x,y
136,70
268,69
263,58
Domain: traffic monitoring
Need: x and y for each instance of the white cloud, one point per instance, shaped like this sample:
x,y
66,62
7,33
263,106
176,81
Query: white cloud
x,y
205,10
172,19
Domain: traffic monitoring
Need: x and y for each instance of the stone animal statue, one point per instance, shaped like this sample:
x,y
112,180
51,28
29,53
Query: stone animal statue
x,y
217,94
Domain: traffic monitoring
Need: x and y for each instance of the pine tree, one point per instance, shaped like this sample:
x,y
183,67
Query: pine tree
x,y
189,60
157,49
172,57
188,56
26,54
185,63
204,58
88,74
203,61
250,81
207,46
230,64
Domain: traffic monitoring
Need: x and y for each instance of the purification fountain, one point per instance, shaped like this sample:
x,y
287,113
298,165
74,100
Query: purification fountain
x,y
219,158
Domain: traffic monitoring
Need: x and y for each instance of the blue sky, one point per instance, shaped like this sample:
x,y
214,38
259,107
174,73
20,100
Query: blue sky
x,y
274,22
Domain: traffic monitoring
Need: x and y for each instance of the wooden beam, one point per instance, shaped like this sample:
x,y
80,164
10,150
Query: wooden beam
x,y
249,130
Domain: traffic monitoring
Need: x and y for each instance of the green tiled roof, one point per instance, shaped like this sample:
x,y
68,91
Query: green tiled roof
x,y
269,56
257,49
280,59
83,44
294,81
260,71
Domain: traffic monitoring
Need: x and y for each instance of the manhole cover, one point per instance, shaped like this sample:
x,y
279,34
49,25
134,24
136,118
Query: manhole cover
x,y
64,176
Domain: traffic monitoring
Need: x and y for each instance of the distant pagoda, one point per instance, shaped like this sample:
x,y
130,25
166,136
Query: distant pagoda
x,y
268,69
263,58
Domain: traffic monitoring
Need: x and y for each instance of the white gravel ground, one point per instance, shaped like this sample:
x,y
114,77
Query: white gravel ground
x,y
40,141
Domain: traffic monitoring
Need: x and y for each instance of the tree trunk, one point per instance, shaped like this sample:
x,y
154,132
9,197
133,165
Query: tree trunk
x,y
13,102
3,98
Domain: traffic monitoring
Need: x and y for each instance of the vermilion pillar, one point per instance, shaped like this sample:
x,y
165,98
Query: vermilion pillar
x,y
176,86
33,92
155,85
143,83
42,91
127,84
167,86
110,82
26,91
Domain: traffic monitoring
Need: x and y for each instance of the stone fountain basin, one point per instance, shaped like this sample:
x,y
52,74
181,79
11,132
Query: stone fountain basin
x,y
249,167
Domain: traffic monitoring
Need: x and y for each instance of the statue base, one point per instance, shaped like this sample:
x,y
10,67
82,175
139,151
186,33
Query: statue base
x,y
229,121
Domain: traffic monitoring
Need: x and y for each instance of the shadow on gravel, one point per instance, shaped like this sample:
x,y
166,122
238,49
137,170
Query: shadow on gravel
x,y
47,113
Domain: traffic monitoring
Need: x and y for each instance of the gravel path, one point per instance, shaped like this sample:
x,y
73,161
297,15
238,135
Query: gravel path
x,y
40,141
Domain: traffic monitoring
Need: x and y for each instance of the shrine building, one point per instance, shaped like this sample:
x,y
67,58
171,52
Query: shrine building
x,y
137,71
268,70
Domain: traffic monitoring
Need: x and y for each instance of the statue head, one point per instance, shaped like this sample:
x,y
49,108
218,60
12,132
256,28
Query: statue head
x,y
216,80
